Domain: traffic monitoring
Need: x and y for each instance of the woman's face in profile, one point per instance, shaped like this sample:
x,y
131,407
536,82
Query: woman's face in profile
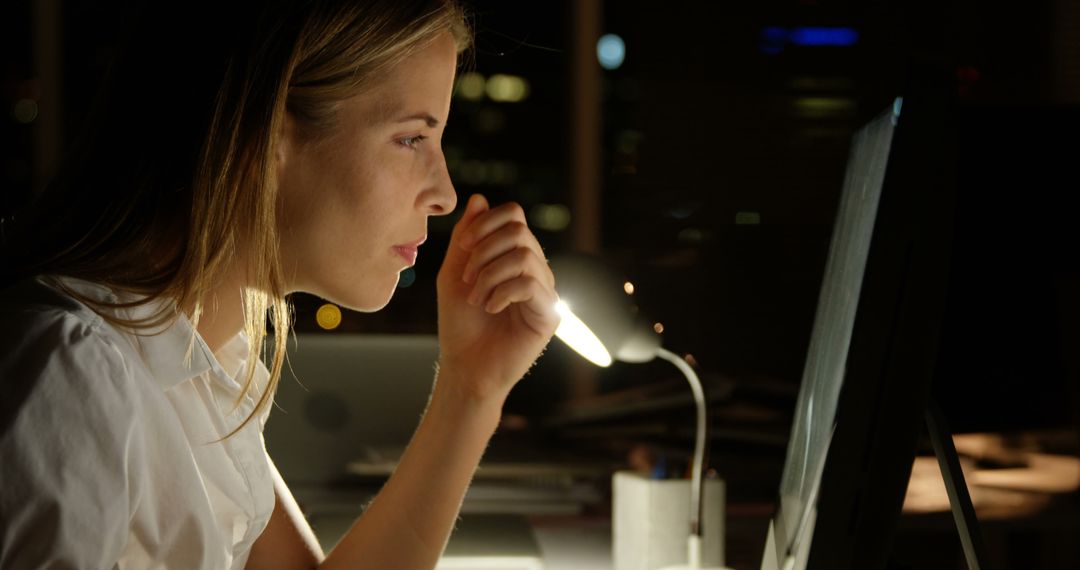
x,y
355,203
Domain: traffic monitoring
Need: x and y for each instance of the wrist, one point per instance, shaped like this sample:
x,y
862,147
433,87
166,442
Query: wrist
x,y
459,397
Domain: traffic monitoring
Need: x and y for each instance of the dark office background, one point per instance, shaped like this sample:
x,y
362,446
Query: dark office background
x,y
720,149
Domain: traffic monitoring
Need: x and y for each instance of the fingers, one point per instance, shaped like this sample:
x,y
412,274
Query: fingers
x,y
511,265
512,235
506,264
491,220
536,300
476,206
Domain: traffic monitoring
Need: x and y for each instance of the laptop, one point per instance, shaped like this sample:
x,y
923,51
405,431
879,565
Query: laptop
x,y
347,397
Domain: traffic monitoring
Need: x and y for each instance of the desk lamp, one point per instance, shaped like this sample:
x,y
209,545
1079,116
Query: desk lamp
x,y
600,323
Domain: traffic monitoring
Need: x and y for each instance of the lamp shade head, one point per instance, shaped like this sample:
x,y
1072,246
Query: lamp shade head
x,y
594,296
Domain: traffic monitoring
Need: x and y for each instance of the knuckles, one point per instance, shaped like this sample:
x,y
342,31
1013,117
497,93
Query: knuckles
x,y
515,210
519,230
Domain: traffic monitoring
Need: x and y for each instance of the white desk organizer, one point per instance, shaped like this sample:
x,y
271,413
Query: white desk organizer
x,y
651,522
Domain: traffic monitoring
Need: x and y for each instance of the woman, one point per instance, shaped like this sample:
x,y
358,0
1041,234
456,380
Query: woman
x,y
278,147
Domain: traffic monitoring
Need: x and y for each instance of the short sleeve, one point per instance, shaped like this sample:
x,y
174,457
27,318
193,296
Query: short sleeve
x,y
70,449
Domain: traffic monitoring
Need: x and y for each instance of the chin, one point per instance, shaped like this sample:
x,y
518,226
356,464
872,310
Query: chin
x,y
364,301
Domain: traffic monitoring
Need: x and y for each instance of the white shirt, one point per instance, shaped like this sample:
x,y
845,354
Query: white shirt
x,y
109,451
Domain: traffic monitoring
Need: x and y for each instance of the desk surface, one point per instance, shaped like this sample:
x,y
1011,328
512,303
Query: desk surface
x,y
538,542
573,543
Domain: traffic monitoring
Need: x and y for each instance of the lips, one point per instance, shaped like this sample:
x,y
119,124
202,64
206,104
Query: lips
x,y
409,251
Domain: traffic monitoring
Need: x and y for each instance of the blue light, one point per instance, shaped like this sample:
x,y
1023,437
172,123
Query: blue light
x,y
611,51
823,37
774,38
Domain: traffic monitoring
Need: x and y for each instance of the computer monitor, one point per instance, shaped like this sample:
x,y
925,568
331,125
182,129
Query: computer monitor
x,y
873,344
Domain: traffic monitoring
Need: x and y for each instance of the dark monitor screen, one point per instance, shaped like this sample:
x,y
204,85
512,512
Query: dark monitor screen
x,y
830,338
872,348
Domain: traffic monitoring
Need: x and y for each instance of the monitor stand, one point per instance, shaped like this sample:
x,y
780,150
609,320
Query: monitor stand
x,y
967,525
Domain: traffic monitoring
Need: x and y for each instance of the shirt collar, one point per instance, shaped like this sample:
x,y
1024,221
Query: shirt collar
x,y
164,349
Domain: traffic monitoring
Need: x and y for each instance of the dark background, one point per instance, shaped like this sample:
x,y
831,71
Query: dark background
x,y
707,125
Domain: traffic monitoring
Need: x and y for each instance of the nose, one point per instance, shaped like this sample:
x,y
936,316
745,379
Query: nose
x,y
442,198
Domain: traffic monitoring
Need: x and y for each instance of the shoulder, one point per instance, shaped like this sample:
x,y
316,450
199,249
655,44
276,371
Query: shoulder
x,y
48,335
70,440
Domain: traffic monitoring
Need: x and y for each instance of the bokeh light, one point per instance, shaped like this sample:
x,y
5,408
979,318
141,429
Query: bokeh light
x,y
471,86
328,317
747,218
550,217
611,51
406,278
507,88
25,111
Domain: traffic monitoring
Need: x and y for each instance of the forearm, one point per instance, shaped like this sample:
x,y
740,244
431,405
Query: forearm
x,y
408,523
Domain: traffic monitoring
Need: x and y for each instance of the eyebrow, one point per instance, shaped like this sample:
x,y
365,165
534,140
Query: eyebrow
x,y
432,122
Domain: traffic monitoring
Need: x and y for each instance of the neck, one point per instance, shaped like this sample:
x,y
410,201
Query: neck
x,y
223,312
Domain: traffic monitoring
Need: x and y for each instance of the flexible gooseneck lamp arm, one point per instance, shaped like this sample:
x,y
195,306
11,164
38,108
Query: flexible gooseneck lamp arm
x,y
696,487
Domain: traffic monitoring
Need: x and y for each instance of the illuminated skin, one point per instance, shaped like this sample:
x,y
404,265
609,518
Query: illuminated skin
x,y
347,201
350,197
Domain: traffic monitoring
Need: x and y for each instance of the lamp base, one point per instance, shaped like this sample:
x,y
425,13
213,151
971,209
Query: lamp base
x,y
693,547
650,522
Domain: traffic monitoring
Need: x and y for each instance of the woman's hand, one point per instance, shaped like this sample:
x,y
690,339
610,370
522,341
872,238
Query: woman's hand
x,y
496,302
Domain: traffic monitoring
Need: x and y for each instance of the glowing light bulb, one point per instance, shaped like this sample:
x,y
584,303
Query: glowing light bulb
x,y
576,335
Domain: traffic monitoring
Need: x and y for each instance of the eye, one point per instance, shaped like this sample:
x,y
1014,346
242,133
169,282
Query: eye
x,y
411,142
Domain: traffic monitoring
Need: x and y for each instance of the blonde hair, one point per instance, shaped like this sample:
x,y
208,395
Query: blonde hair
x,y
167,220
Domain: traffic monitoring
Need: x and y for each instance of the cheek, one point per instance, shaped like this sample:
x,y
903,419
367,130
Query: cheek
x,y
392,185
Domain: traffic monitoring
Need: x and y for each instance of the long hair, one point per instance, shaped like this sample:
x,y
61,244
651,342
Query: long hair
x,y
173,181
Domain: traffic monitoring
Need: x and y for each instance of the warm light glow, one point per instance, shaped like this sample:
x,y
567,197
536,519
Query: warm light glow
x,y
1023,482
628,287
578,337
471,86
748,218
658,327
550,217
691,235
328,316
507,88
817,107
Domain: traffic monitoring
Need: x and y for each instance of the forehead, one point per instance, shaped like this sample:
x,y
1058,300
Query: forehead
x,y
421,82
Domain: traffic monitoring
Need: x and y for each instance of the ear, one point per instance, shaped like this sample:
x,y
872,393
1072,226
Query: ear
x,y
286,139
